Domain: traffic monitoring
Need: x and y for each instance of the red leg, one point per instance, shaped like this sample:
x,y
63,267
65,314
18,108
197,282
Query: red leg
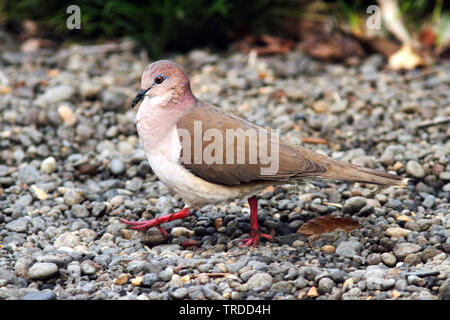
x,y
144,225
254,230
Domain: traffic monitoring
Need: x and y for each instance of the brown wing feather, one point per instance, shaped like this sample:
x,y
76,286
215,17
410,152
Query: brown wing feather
x,y
292,163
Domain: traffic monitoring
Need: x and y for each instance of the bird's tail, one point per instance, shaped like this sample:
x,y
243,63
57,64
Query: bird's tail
x,y
344,171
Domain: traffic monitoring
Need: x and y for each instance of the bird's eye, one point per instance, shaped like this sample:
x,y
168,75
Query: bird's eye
x,y
159,79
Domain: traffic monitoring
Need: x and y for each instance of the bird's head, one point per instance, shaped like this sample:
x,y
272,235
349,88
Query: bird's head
x,y
163,81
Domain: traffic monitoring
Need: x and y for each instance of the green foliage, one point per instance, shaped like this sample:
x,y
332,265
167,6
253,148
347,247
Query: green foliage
x,y
165,25
158,25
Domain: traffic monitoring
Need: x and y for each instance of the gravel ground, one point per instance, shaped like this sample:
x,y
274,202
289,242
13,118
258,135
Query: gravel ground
x,y
71,166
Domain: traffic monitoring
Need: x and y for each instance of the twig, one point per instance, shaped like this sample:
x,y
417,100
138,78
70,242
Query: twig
x,y
314,141
435,122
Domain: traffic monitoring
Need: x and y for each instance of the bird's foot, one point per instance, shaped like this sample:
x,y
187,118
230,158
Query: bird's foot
x,y
254,238
145,225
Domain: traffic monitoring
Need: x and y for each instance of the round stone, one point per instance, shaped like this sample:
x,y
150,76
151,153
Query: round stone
x,y
415,169
48,165
43,271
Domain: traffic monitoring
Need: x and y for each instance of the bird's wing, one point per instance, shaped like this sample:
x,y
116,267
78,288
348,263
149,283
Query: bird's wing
x,y
205,148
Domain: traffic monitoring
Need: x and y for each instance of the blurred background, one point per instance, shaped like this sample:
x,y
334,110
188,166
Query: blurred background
x,y
327,30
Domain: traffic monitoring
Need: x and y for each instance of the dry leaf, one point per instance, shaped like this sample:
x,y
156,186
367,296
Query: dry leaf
x,y
405,59
325,224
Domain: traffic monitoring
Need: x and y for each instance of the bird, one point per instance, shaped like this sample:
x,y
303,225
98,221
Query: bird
x,y
173,126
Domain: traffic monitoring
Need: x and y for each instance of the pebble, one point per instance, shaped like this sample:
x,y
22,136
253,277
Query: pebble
x,y
117,167
401,250
373,259
413,259
312,293
48,165
54,95
349,249
413,168
180,293
260,281
79,211
354,204
325,285
388,259
149,279
67,115
89,89
444,176
43,271
122,279
28,174
18,225
45,294
397,232
73,197
182,231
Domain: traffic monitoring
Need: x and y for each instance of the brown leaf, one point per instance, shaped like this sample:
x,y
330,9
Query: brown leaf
x,y
265,45
427,37
406,58
325,224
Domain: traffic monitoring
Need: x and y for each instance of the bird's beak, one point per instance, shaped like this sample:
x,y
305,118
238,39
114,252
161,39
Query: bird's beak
x,y
140,95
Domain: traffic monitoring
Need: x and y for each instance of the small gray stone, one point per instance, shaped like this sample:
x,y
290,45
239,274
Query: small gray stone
x,y
149,279
164,205
73,196
43,271
18,225
28,174
54,95
88,267
80,211
67,239
388,259
373,259
401,250
260,282
22,265
413,259
444,290
179,293
117,167
318,208
300,283
354,204
415,169
45,294
378,283
349,249
166,274
98,208
445,176
113,98
325,285
211,294
429,201
6,275
89,89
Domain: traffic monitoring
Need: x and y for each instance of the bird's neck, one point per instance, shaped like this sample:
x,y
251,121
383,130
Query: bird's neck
x,y
158,115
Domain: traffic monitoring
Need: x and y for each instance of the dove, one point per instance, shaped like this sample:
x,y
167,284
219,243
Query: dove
x,y
207,155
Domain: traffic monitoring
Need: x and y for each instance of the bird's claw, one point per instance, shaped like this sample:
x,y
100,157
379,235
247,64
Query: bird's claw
x,y
254,238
